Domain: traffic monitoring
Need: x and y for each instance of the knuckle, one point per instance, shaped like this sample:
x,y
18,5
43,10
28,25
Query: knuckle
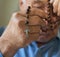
x,y
16,14
22,19
18,18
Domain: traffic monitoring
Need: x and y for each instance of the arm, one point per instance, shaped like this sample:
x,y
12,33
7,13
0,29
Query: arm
x,y
7,49
13,37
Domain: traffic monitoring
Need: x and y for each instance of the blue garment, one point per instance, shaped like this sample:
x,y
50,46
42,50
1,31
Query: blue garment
x,y
1,54
51,49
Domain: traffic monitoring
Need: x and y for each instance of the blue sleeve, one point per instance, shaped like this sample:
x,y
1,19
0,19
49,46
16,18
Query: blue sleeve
x,y
2,30
1,54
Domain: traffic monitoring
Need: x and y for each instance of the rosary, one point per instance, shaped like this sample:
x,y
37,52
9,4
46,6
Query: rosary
x,y
27,29
52,24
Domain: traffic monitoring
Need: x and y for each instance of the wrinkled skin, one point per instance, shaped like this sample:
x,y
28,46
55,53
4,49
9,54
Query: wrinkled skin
x,y
38,8
14,36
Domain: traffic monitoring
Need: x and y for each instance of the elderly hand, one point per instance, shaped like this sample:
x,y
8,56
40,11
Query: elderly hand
x,y
56,6
14,37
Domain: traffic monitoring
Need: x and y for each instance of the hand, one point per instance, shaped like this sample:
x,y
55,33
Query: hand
x,y
14,32
14,37
56,6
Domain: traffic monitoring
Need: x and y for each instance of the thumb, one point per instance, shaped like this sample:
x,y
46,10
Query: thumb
x,y
19,18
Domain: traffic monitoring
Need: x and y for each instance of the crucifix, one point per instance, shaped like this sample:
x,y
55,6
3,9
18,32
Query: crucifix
x,y
27,32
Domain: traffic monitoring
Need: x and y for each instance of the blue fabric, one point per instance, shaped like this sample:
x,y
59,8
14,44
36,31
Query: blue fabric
x,y
51,49
2,30
1,54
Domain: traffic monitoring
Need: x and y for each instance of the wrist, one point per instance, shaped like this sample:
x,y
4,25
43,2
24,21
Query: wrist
x,y
7,48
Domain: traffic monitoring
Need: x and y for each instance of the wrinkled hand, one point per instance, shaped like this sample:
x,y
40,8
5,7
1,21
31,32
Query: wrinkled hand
x,y
14,32
14,36
56,6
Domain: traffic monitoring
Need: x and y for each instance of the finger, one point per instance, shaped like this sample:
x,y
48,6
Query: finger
x,y
15,14
22,22
55,6
59,9
19,20
19,17
39,12
51,1
22,19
